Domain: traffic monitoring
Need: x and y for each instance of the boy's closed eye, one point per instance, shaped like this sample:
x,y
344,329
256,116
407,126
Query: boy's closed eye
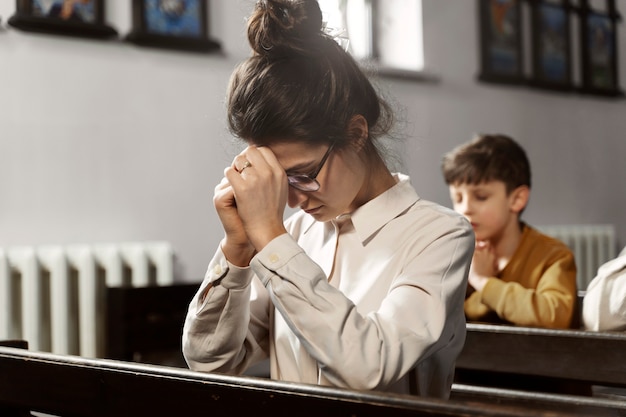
x,y
481,196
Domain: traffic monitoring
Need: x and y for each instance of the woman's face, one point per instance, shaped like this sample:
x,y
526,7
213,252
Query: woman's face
x,y
341,178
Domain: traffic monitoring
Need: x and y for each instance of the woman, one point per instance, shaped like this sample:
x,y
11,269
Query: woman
x,y
366,282
604,303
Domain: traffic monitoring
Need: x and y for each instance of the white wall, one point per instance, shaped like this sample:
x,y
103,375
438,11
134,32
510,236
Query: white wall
x,y
104,141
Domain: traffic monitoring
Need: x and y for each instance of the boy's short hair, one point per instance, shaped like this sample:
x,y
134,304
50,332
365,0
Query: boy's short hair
x,y
486,158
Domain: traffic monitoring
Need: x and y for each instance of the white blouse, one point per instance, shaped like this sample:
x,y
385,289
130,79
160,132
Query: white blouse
x,y
604,304
398,270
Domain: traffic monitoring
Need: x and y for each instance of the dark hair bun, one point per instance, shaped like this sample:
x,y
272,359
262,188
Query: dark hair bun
x,y
280,27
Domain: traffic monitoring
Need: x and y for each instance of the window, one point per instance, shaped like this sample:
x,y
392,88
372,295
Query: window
x,y
389,32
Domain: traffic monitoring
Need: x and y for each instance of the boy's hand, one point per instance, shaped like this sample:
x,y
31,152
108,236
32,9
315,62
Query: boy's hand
x,y
483,265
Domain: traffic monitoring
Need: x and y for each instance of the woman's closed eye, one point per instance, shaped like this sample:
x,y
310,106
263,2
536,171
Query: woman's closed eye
x,y
300,173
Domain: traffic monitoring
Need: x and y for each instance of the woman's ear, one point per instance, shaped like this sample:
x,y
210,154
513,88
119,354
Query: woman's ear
x,y
358,131
519,198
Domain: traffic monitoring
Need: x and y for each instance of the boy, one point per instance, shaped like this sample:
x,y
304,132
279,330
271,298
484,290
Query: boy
x,y
518,275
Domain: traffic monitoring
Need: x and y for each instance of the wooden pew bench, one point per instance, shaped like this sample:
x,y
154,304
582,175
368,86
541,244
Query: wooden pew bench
x,y
571,362
144,324
75,386
6,411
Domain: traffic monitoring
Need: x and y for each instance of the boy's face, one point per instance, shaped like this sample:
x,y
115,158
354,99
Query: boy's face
x,y
487,207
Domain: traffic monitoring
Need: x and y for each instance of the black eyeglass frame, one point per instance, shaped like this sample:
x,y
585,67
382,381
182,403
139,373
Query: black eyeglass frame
x,y
310,179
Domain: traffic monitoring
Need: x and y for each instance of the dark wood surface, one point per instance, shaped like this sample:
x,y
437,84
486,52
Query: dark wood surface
x,y
514,397
144,324
568,361
16,343
8,411
75,386
577,354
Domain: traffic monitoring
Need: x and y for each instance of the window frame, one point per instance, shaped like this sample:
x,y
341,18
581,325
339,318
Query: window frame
x,y
374,63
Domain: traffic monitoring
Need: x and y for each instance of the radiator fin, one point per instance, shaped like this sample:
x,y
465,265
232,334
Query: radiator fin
x,y
54,296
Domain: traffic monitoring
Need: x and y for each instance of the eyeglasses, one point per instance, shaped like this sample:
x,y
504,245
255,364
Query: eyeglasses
x,y
309,182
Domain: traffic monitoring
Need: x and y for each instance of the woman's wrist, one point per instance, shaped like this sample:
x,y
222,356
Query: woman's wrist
x,y
238,254
263,237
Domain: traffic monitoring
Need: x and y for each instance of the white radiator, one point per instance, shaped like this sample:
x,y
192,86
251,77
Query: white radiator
x,y
592,245
53,296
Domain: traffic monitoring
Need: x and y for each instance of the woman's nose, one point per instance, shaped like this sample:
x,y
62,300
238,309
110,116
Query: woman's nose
x,y
295,197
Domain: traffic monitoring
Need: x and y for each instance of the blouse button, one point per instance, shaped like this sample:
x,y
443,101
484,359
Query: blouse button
x,y
217,269
274,258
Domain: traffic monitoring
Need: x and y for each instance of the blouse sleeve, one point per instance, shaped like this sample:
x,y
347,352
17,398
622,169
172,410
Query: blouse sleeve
x,y
225,329
604,304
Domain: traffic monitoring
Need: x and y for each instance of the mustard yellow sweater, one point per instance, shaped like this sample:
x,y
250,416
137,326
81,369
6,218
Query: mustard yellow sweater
x,y
537,288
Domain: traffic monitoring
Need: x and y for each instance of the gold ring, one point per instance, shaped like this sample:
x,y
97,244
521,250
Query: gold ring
x,y
246,164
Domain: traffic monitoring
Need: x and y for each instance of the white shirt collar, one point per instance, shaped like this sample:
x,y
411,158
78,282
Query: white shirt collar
x,y
376,213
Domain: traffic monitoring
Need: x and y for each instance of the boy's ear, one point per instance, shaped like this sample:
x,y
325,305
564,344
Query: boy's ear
x,y
519,198
358,131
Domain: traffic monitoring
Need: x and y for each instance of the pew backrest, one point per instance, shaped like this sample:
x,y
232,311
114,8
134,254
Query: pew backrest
x,y
74,386
144,324
575,356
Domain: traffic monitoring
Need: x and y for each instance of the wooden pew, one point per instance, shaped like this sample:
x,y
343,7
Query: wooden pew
x,y
16,343
144,324
573,362
6,411
74,386
592,406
